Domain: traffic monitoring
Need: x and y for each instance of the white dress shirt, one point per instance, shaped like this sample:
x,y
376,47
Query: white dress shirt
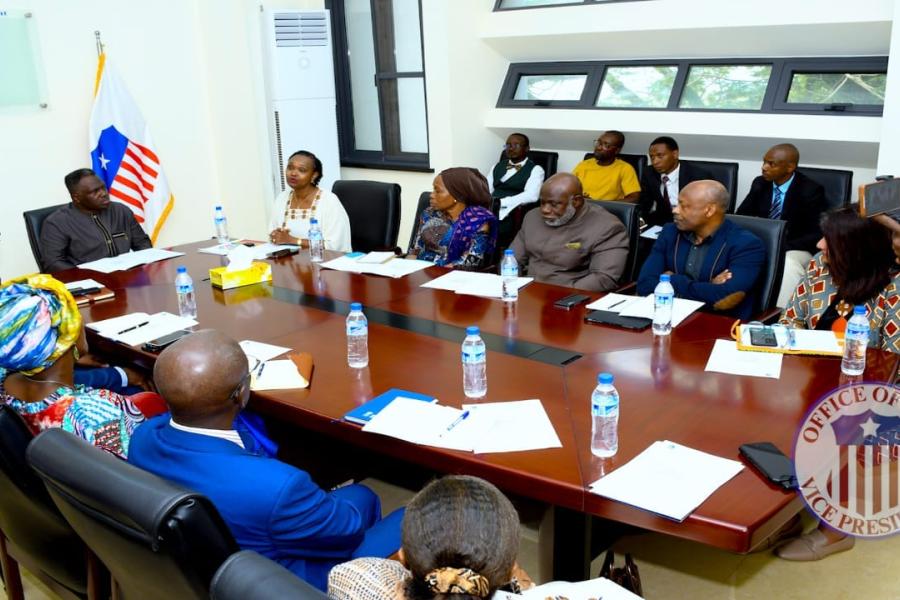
x,y
672,185
226,434
531,193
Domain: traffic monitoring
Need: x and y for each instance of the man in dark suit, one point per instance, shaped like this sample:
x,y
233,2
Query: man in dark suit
x,y
782,192
661,185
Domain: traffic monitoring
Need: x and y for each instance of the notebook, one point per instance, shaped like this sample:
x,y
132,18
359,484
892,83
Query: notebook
x,y
363,414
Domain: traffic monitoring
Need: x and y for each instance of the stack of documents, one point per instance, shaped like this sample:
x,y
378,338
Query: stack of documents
x,y
727,358
596,589
478,428
129,260
795,341
668,479
260,251
138,328
375,263
642,306
473,284
261,352
651,233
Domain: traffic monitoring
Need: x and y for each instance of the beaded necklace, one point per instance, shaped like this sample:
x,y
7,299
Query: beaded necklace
x,y
300,214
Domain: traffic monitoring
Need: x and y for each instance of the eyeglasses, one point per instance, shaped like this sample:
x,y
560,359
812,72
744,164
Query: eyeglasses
x,y
245,380
514,145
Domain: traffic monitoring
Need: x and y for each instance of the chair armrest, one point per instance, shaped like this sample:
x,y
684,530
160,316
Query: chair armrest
x,y
769,316
629,288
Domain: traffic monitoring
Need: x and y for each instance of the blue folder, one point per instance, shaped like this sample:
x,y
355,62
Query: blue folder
x,y
363,414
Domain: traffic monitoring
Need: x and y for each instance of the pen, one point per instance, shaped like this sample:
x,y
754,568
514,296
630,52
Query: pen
x,y
615,304
260,370
132,328
459,420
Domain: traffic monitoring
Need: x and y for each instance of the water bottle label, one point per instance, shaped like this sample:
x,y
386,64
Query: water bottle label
x,y
185,288
663,299
473,357
605,410
357,328
509,271
857,329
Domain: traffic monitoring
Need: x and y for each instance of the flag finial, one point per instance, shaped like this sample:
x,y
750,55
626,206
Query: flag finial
x,y
99,43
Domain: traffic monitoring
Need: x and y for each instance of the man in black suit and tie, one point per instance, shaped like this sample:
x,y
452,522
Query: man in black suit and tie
x,y
661,185
782,192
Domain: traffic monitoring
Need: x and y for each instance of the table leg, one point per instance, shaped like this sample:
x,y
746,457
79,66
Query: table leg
x,y
565,545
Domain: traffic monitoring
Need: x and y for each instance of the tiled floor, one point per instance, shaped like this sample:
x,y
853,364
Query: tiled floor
x,y
673,569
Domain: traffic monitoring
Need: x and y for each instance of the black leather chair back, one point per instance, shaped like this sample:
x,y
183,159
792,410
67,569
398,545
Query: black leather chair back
x,y
545,160
159,540
772,233
638,161
28,517
424,199
247,574
374,211
34,220
725,173
838,184
627,212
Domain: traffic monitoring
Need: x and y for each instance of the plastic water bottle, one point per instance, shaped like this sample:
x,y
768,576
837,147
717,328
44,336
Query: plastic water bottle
x,y
855,341
474,363
184,288
316,242
357,337
221,224
663,301
604,417
509,275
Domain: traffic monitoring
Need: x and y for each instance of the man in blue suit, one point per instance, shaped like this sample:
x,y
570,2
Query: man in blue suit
x,y
271,507
710,259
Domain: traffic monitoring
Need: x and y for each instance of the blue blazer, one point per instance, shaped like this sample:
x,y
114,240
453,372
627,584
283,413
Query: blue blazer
x,y
270,506
733,248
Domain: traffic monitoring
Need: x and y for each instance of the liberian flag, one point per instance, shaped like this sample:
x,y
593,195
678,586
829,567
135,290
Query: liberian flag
x,y
123,154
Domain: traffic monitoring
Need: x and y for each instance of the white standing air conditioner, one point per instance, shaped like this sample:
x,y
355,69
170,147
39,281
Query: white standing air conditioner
x,y
300,90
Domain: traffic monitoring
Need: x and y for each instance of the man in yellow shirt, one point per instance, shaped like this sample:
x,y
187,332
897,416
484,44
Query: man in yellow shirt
x,y
606,177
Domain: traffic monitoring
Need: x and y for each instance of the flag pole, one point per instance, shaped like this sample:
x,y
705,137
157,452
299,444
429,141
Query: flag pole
x,y
99,43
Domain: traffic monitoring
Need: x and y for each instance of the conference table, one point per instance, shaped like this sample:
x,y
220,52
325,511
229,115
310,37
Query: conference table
x,y
535,350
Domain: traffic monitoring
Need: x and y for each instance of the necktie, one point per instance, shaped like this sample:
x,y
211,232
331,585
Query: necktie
x,y
665,190
777,204
513,166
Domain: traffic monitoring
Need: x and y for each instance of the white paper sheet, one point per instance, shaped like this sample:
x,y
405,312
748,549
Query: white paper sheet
x,y
398,267
475,284
138,328
726,358
593,589
129,260
260,351
421,423
278,375
375,258
651,233
82,284
219,249
510,427
612,302
668,479
643,307
260,251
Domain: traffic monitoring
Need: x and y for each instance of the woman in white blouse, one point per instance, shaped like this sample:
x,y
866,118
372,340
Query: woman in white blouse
x,y
295,207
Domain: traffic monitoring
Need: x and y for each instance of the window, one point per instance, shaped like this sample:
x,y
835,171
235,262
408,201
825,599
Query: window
x,y
846,85
21,76
514,4
637,87
380,71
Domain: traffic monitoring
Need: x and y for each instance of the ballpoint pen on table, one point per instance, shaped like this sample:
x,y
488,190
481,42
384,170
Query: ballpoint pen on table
x,y
459,419
615,304
133,327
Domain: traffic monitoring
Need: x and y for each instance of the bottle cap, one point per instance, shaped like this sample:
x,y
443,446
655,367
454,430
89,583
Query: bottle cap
x,y
508,252
472,330
665,277
355,306
859,309
604,378
182,269
314,221
218,208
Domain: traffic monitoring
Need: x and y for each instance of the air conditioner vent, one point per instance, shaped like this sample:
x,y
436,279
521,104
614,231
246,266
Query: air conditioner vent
x,y
294,29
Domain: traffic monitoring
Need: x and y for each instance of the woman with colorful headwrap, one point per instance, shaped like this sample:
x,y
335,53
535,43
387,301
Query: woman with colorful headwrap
x,y
460,539
458,229
41,336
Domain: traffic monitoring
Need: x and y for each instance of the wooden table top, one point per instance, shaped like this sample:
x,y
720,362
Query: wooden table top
x,y
535,351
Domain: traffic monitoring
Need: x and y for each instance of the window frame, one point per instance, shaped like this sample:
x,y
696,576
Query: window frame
x,y
774,99
498,8
372,159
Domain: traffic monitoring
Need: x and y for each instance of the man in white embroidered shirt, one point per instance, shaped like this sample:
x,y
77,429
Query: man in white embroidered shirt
x,y
515,183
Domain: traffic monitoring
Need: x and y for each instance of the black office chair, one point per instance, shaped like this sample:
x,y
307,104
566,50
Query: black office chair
x,y
247,574
159,540
546,160
772,233
374,211
32,530
838,185
638,161
424,199
627,212
34,220
725,173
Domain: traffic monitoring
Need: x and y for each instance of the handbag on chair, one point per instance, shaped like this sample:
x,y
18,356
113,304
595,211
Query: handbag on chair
x,y
627,576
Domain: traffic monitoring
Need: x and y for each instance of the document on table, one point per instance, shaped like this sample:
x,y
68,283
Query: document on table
x,y
278,375
138,328
651,233
83,284
643,307
422,423
473,284
726,358
396,267
612,302
668,479
260,351
510,427
375,258
597,589
129,260
260,251
799,340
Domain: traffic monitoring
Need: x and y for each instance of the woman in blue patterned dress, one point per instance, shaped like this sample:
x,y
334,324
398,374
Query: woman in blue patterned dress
x,y
458,229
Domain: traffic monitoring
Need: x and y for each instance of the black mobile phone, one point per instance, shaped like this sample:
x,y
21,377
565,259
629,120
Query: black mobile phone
x,y
771,462
608,317
283,252
571,301
78,292
763,336
160,343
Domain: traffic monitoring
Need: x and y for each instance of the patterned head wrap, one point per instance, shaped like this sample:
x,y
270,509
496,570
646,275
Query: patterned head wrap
x,y
39,322
450,580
